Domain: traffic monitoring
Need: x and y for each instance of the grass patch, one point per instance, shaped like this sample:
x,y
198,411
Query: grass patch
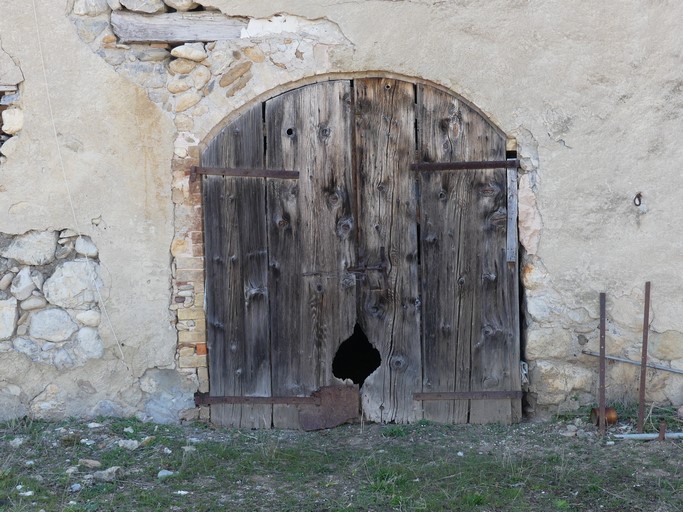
x,y
527,467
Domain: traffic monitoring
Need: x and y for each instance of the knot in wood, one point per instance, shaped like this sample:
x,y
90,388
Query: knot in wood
x,y
398,362
443,195
344,227
333,199
324,132
490,382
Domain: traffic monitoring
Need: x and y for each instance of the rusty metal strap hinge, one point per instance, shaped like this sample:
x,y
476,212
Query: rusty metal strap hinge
x,y
240,172
206,399
511,163
468,395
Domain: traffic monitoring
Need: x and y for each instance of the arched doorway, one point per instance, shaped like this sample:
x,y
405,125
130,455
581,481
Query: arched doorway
x,y
323,229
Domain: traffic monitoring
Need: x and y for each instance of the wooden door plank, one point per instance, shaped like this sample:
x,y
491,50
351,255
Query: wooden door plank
x,y
389,310
311,235
447,285
460,235
494,343
445,269
236,264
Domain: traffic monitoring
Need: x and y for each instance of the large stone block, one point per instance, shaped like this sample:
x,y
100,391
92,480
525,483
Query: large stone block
x,y
554,381
88,344
32,248
52,324
28,347
146,6
548,343
190,51
22,284
50,404
181,5
8,318
12,120
90,7
168,393
667,346
73,285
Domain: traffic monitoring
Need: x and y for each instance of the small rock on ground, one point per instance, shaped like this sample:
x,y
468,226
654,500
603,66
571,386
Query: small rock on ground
x,y
108,475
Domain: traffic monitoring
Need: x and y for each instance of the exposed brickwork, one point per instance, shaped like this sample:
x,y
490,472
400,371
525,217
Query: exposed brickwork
x,y
187,250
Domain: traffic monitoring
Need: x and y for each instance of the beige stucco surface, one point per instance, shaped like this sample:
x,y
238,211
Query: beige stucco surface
x,y
593,92
116,148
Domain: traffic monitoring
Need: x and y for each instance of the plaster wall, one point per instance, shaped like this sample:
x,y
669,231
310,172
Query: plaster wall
x,y
593,93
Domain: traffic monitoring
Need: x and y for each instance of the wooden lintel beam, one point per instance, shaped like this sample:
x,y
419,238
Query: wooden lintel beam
x,y
176,27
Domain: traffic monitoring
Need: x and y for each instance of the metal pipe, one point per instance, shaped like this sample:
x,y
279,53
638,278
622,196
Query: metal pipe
x,y
643,365
650,437
637,363
601,385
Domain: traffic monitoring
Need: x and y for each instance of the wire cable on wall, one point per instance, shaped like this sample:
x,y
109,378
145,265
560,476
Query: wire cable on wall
x,y
68,188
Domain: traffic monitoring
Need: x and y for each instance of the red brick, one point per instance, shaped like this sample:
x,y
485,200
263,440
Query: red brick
x,y
198,250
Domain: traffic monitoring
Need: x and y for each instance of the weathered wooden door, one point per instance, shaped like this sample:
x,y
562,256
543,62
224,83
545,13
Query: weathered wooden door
x,y
436,297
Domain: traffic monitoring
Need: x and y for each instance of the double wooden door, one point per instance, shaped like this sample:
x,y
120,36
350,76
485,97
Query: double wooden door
x,y
416,258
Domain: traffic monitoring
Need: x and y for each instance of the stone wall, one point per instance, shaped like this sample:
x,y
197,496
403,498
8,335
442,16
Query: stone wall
x,y
50,289
590,93
11,115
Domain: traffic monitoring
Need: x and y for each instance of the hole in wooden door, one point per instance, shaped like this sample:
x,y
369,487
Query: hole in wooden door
x,y
356,358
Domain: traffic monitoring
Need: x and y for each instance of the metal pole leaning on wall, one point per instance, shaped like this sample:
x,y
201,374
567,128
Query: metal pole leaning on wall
x,y
601,384
643,366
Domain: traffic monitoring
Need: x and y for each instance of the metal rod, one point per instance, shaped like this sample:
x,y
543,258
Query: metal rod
x,y
457,166
205,399
643,364
245,173
662,431
601,385
637,363
467,395
650,437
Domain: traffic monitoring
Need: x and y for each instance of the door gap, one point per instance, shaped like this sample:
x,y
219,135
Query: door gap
x,y
356,358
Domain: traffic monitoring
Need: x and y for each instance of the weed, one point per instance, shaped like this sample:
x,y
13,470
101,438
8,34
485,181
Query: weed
x,y
394,431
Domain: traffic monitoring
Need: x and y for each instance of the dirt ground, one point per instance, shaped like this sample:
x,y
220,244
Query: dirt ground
x,y
123,464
